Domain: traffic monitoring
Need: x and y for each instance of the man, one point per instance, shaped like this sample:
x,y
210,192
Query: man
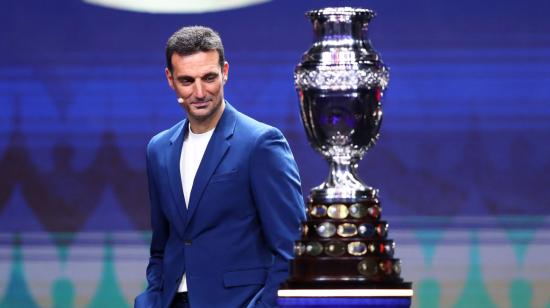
x,y
225,193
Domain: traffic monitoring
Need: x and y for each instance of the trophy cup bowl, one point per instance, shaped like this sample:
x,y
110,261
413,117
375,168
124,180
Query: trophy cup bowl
x,y
340,83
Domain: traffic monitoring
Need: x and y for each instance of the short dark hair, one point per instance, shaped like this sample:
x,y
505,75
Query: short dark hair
x,y
190,40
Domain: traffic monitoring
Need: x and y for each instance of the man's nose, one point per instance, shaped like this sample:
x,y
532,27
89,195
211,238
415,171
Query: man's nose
x,y
199,90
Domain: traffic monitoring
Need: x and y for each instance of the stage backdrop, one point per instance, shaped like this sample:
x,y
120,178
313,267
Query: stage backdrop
x,y
462,164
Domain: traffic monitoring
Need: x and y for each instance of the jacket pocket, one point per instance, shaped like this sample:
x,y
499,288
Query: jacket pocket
x,y
223,176
244,277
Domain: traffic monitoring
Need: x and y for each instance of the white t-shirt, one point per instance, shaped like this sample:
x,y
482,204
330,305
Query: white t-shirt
x,y
192,152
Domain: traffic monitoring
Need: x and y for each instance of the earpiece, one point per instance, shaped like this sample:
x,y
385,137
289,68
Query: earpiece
x,y
180,100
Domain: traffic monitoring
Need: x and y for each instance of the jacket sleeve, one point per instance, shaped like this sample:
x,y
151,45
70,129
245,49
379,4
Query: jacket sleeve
x,y
159,225
278,197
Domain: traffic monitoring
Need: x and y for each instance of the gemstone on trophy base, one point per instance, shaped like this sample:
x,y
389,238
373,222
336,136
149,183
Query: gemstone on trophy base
x,y
371,248
299,249
314,248
367,268
338,211
357,248
357,210
335,249
366,230
347,230
387,248
382,229
304,229
397,267
326,229
318,211
374,211
386,267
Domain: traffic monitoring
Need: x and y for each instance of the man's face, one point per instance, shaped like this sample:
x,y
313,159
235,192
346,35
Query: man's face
x,y
198,79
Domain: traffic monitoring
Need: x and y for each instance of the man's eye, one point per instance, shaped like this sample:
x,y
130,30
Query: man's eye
x,y
186,82
210,78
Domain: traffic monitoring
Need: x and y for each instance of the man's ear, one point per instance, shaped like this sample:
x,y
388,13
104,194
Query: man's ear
x,y
225,71
170,78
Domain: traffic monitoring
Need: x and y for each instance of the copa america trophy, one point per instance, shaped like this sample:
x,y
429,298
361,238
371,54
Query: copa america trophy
x,y
340,82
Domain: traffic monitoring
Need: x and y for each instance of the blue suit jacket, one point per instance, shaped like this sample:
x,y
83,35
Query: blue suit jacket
x,y
235,239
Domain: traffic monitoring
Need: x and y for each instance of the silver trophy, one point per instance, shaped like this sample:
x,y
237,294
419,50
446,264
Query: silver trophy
x,y
344,242
340,82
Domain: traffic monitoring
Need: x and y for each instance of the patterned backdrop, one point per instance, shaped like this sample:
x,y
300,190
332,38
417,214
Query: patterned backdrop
x,y
463,162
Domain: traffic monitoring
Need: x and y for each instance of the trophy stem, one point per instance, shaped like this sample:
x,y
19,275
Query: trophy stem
x,y
343,173
343,183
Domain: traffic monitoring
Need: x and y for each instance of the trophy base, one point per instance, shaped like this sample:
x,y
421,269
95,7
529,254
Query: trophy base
x,y
344,246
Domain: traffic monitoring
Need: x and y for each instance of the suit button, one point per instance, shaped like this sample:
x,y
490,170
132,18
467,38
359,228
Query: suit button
x,y
187,242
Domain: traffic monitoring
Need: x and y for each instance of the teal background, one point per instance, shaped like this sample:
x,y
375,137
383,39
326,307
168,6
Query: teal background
x,y
474,267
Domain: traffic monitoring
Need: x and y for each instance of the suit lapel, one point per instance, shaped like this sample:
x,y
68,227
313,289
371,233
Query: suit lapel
x,y
174,176
215,151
